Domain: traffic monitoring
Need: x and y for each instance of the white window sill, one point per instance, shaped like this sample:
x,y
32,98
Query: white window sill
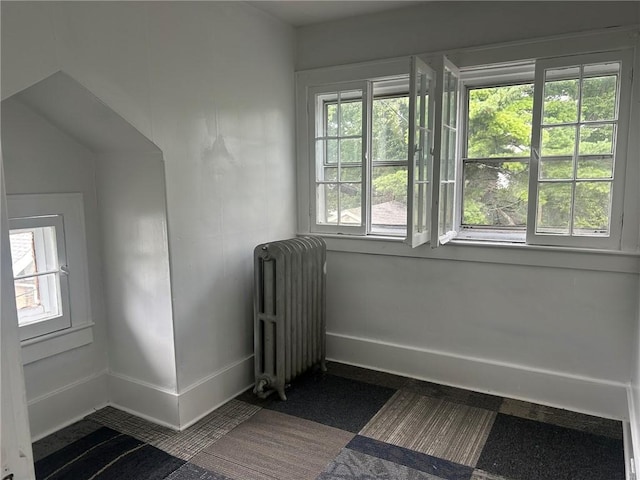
x,y
45,346
474,250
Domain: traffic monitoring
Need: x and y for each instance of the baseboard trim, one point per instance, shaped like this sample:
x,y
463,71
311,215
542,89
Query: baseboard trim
x,y
64,406
582,394
146,401
632,437
208,394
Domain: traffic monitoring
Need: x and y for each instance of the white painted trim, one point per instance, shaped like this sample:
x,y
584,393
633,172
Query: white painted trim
x,y
206,395
180,410
46,346
153,403
54,410
558,389
486,252
634,429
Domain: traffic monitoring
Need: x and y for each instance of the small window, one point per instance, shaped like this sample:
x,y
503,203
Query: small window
x,y
38,259
49,262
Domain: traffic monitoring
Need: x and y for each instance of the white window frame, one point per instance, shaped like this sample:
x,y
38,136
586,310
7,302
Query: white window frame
x,y
31,330
68,209
315,116
318,117
505,248
613,240
486,77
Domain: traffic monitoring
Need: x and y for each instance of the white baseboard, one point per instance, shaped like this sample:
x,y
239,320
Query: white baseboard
x,y
64,406
582,394
632,438
147,401
201,398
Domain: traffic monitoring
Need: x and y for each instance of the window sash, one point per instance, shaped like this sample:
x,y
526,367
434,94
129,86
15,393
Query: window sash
x,y
37,328
618,155
318,133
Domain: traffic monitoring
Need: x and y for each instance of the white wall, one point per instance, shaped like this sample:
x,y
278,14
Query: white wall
x,y
436,26
211,84
39,158
558,334
133,226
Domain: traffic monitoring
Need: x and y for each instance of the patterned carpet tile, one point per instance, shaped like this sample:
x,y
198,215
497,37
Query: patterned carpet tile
x,y
438,428
335,401
456,395
365,375
563,418
108,455
481,475
274,445
529,450
62,438
189,471
354,465
184,444
409,458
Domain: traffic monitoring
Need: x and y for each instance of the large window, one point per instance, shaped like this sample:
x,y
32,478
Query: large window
x,y
529,152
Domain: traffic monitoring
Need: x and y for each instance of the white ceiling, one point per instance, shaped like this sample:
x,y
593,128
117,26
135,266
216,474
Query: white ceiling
x,y
306,12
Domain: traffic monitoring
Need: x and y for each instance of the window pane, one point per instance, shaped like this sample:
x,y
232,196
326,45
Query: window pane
x,y
351,150
33,250
38,298
599,96
350,203
330,174
327,151
592,207
598,167
389,184
558,141
554,208
561,96
327,204
495,194
447,191
500,121
450,104
390,129
331,114
596,139
557,169
351,174
350,117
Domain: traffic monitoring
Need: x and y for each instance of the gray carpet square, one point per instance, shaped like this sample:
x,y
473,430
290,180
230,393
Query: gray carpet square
x,y
435,427
274,445
456,395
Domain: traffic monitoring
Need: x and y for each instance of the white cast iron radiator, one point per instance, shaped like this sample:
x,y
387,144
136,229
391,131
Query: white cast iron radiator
x,y
289,311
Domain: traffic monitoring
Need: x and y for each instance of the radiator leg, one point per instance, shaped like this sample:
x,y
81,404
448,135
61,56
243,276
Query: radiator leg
x,y
283,397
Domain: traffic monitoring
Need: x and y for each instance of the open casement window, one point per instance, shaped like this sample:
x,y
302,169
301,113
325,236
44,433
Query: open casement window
x,y
39,272
339,149
578,144
420,171
443,197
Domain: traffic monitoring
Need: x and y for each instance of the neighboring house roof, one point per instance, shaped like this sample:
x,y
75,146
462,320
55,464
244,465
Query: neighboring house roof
x,y
387,213
21,251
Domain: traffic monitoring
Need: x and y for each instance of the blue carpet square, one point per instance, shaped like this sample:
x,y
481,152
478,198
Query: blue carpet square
x,y
335,401
107,455
443,469
524,449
